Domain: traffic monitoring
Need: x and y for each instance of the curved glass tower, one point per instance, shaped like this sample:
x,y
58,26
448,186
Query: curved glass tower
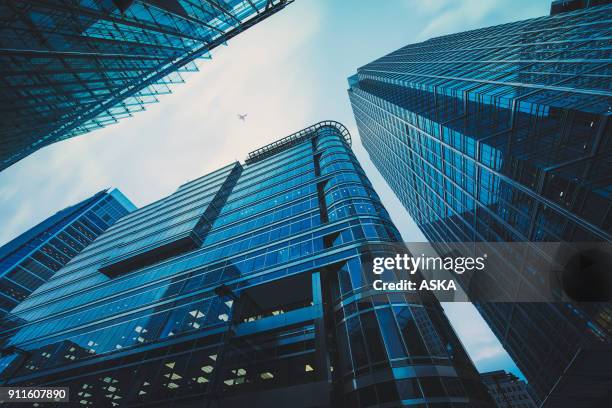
x,y
247,286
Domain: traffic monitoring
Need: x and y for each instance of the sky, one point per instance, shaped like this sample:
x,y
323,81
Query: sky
x,y
286,73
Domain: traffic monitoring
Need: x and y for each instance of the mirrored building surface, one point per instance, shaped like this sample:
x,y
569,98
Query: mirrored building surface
x,y
248,286
70,67
503,134
33,257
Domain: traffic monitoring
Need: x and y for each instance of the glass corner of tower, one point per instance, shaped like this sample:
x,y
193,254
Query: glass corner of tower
x,y
122,199
353,80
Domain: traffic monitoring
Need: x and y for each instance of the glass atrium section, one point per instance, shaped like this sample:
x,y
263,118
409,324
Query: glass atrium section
x,y
248,286
35,256
504,134
69,67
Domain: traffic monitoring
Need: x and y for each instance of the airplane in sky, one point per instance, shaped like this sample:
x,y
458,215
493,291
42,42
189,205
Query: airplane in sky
x,y
242,117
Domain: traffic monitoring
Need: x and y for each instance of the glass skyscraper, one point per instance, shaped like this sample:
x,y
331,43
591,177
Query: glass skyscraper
x,y
248,286
33,257
72,67
503,134
507,390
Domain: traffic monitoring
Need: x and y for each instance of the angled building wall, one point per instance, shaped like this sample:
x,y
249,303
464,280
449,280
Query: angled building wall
x,y
246,287
72,67
33,257
503,134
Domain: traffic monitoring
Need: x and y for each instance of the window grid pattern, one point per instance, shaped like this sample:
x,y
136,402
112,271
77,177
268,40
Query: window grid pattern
x,y
72,67
34,257
304,214
503,134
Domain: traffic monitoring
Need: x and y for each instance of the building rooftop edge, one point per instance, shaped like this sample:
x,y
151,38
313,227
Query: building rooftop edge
x,y
289,141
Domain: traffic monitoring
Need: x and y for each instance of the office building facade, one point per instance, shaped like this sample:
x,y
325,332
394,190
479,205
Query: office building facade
x,y
33,257
248,286
72,67
507,390
503,134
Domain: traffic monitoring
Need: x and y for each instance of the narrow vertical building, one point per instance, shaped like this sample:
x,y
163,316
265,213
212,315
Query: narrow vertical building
x,y
507,390
503,134
33,257
70,67
248,286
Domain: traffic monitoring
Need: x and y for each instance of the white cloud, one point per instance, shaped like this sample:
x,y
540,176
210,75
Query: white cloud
x,y
487,353
480,343
451,16
189,133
